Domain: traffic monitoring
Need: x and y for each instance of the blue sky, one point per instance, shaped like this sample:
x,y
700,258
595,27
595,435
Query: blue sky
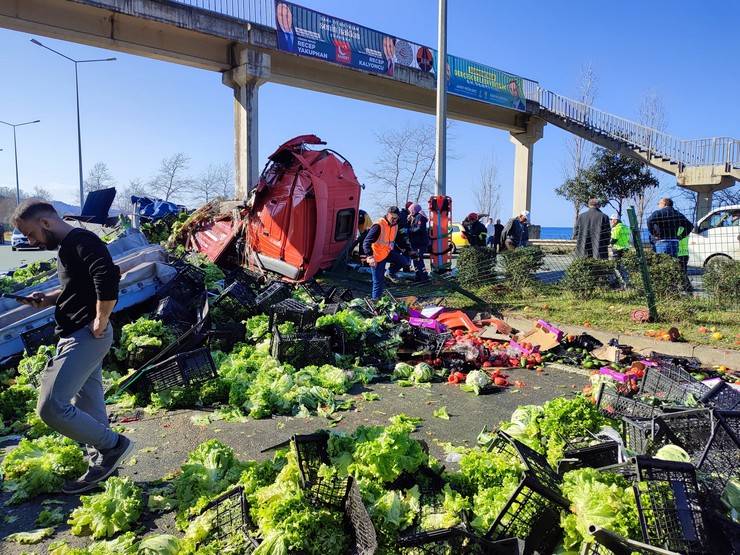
x,y
135,111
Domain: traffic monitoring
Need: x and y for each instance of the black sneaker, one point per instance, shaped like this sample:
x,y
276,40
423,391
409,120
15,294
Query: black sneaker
x,y
105,465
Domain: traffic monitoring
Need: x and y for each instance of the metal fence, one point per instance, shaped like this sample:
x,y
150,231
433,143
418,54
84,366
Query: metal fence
x,y
261,12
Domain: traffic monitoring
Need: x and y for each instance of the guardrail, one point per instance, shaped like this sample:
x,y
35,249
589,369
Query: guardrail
x,y
722,151
261,12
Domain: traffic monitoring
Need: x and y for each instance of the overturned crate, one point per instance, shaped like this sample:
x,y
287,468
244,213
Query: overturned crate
x,y
292,310
669,507
719,461
532,512
302,348
614,405
722,396
181,370
271,295
609,543
590,451
660,385
35,338
230,513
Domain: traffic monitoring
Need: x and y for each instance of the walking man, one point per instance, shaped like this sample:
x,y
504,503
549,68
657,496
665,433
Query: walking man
x,y
592,232
379,247
664,224
71,399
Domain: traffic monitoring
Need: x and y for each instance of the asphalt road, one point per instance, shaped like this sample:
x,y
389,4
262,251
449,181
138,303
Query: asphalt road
x,y
10,259
163,440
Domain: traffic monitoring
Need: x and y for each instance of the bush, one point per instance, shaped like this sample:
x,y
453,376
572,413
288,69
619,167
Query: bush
x,y
665,273
585,276
520,266
722,279
475,266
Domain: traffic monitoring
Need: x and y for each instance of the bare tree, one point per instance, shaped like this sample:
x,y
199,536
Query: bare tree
x,y
727,197
99,177
651,114
41,193
579,149
171,182
216,182
136,187
488,194
405,167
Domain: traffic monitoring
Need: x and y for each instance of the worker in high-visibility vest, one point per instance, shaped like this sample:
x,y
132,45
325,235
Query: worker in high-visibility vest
x,y
379,247
683,256
620,238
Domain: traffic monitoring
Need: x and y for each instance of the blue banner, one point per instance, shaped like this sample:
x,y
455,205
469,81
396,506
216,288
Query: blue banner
x,y
484,83
316,35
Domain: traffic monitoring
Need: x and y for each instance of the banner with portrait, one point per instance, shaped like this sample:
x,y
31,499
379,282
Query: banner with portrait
x,y
316,35
480,82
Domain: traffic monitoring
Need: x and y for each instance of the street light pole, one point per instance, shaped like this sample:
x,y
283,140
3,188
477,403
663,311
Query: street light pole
x,y
77,95
15,150
441,149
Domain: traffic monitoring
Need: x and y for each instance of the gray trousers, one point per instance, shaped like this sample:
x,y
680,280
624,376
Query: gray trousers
x,y
71,399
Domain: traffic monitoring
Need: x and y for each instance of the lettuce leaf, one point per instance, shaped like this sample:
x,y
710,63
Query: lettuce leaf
x,y
113,510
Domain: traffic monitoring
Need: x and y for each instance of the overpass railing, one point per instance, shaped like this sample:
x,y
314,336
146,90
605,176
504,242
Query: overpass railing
x,y
722,151
261,12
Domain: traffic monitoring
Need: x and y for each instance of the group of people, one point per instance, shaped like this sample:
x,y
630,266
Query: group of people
x,y
669,230
495,235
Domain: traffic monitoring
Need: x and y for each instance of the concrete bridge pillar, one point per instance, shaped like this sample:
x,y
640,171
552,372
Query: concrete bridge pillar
x,y
245,79
523,159
703,203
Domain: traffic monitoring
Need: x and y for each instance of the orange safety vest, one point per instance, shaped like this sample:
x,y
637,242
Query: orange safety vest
x,y
384,245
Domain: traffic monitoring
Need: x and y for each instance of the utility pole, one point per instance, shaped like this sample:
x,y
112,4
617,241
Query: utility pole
x,y
15,150
77,95
441,149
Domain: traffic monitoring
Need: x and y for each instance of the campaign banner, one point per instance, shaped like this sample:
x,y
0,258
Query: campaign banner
x,y
484,83
316,35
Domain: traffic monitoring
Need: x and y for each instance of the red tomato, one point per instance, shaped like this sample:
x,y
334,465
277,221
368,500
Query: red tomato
x,y
500,381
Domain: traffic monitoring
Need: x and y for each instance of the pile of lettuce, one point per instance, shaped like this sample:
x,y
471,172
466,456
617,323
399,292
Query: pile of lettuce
x,y
28,275
144,332
40,465
602,499
103,515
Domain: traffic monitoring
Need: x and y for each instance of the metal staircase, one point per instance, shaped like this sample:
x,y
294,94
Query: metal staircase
x,y
718,157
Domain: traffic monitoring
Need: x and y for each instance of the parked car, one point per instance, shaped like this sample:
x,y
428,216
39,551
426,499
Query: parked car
x,y
457,237
19,241
716,236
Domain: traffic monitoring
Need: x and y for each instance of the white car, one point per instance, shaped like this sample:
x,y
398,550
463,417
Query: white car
x,y
717,236
18,240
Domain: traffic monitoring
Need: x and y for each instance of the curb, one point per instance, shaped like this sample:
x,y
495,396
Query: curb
x,y
707,355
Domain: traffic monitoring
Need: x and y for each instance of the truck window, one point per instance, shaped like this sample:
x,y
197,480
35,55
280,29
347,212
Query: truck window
x,y
345,225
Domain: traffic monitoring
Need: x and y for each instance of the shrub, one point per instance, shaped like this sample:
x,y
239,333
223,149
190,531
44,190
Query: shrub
x,y
585,276
520,266
665,273
475,266
722,278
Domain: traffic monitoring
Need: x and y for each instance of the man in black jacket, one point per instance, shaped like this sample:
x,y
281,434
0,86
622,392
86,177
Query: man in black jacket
x,y
474,230
664,224
592,232
71,399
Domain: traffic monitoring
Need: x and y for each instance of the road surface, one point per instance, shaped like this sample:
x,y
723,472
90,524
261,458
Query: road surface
x,y
10,259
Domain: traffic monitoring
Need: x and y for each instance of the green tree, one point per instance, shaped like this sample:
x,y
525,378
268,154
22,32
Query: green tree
x,y
577,190
614,178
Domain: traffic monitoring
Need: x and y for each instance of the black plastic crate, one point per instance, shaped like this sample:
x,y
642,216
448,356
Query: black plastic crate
x,y
589,452
301,349
690,429
314,290
311,452
187,286
271,295
332,308
357,520
609,543
225,336
532,513
242,294
660,385
457,540
291,310
43,335
247,278
174,314
183,369
340,294
722,396
628,470
679,368
720,459
725,536
669,506
614,405
534,463
231,517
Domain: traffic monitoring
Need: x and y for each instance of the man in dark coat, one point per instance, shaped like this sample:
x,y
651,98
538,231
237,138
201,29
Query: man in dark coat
x,y
474,230
667,227
592,232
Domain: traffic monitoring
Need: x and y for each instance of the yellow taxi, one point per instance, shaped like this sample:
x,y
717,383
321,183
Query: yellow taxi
x,y
457,237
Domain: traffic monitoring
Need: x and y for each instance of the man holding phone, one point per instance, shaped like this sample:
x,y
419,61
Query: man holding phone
x,y
71,398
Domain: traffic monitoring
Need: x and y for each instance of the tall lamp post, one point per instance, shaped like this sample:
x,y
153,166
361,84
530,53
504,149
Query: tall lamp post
x,y
15,149
77,94
441,143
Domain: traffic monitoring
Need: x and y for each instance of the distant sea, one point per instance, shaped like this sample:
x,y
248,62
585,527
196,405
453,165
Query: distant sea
x,y
556,233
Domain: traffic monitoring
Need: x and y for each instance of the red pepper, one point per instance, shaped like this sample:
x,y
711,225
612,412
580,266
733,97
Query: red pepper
x,y
456,378
501,381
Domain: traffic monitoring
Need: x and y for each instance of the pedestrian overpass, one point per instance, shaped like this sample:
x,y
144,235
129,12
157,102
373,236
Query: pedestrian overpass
x,y
238,39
